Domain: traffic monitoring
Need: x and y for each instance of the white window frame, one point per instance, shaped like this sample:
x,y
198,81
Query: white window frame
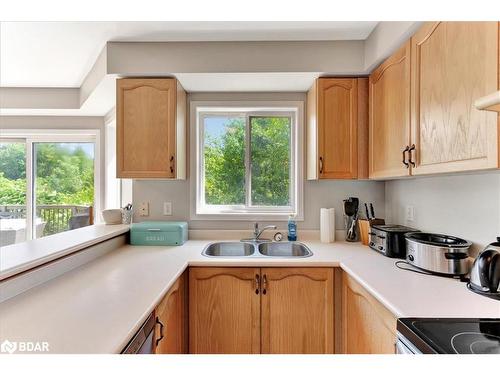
x,y
200,110
31,136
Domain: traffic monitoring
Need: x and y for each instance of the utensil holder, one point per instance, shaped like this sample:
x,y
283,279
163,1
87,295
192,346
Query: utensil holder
x,y
126,216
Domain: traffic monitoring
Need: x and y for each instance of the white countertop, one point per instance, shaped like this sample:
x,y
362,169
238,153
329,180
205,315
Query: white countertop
x,y
98,307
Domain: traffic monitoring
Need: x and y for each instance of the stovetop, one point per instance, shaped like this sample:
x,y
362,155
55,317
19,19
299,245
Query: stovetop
x,y
452,335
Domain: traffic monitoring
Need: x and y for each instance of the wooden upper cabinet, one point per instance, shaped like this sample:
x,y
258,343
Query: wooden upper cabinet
x,y
336,118
151,129
224,311
389,115
367,326
171,316
453,64
297,311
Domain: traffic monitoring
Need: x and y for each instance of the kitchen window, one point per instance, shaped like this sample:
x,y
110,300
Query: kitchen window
x,y
49,182
248,161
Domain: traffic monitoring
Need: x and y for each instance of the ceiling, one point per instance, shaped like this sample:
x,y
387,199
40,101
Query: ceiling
x,y
60,54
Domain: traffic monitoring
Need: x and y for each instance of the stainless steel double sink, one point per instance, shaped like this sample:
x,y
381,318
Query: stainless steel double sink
x,y
257,249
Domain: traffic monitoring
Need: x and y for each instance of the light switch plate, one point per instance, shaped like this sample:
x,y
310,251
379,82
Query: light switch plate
x,y
167,208
144,209
410,213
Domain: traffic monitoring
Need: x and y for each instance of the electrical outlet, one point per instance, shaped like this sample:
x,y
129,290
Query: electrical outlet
x,y
410,213
167,208
144,209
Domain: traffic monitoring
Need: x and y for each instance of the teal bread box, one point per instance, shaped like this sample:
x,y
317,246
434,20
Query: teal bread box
x,y
159,233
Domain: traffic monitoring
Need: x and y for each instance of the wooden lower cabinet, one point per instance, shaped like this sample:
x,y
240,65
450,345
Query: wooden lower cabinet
x,y
224,311
261,310
367,326
171,316
297,310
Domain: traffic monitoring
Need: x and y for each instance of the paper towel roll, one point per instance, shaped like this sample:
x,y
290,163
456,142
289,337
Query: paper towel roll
x,y
327,225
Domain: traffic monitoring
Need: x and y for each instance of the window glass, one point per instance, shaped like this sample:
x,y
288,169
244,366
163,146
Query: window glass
x,y
270,151
64,187
224,160
246,161
12,192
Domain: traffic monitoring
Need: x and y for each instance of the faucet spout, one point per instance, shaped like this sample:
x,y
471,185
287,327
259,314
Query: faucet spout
x,y
257,233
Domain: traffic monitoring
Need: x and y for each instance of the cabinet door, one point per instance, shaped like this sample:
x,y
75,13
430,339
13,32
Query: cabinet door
x,y
453,64
368,327
297,310
146,127
389,115
171,313
224,311
337,127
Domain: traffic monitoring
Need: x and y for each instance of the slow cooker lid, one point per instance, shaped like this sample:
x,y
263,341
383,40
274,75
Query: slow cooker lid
x,y
438,239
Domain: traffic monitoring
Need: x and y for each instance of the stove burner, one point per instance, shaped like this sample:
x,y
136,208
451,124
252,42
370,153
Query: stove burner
x,y
475,343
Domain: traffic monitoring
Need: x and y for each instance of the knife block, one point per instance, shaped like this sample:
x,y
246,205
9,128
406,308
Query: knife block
x,y
364,228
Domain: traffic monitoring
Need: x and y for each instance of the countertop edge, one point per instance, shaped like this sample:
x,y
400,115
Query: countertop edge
x,y
91,238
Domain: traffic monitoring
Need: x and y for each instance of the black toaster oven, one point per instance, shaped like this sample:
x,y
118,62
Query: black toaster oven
x,y
389,239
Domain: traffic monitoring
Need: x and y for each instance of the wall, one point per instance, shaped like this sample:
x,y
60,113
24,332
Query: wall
x,y
466,206
385,39
317,194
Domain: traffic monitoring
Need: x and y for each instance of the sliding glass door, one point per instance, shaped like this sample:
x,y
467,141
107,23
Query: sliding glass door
x,y
48,184
13,192
64,186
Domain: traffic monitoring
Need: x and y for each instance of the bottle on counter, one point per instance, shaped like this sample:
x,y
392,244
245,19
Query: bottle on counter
x,y
292,228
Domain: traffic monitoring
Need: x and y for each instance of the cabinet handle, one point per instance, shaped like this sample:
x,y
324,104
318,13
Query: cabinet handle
x,y
161,331
320,165
404,156
172,163
264,284
412,148
257,284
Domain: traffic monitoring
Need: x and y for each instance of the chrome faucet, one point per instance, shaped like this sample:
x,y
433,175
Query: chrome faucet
x,y
257,232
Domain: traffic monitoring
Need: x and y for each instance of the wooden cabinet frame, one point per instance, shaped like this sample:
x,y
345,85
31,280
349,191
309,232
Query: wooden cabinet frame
x,y
376,326
390,125
449,148
448,65
150,128
261,298
171,329
337,129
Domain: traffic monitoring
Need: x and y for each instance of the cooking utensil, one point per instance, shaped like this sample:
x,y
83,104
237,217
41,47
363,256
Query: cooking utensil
x,y
351,206
372,211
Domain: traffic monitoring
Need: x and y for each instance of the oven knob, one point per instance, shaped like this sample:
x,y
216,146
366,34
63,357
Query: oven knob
x,y
372,243
381,248
411,258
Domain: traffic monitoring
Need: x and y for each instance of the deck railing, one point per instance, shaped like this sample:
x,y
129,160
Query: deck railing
x,y
56,216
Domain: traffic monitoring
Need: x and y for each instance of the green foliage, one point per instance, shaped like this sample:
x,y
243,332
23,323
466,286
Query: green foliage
x,y
225,166
270,160
12,191
270,150
13,160
63,175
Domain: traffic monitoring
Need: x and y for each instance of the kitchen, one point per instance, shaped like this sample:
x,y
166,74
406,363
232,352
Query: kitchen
x,y
244,188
